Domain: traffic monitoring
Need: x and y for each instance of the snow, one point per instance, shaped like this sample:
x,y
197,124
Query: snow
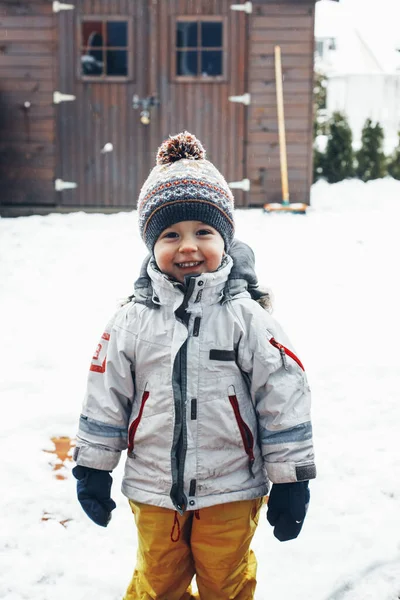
x,y
333,273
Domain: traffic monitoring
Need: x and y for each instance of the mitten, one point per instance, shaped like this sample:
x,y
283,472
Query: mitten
x,y
287,508
94,493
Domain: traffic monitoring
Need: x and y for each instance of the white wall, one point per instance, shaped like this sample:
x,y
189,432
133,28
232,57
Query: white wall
x,y
375,96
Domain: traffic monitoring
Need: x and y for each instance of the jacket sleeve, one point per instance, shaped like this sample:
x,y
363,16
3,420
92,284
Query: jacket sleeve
x,y
103,423
281,396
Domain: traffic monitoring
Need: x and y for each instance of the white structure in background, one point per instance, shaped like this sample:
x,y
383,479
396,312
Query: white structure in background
x,y
363,81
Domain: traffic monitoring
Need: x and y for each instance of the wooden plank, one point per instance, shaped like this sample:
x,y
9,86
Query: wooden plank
x,y
16,35
281,9
29,87
21,173
27,192
24,74
278,36
282,22
14,100
258,154
268,85
27,48
26,60
292,111
27,125
13,155
267,73
25,22
266,137
271,124
289,61
269,99
25,7
35,137
267,48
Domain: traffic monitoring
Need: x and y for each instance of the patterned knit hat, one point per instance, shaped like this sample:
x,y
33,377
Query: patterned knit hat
x,y
184,186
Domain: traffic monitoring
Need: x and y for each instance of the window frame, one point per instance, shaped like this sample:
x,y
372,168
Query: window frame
x,y
129,49
224,48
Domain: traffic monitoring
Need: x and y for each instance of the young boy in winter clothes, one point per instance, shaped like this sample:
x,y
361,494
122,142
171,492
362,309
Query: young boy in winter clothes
x,y
202,387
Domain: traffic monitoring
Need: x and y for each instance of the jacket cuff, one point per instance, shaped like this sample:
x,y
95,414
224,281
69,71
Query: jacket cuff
x,y
96,457
290,472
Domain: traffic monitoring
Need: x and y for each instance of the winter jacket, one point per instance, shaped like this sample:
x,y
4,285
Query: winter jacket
x,y
203,388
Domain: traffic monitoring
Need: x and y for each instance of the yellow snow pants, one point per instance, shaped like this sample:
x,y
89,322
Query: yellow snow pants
x,y
213,544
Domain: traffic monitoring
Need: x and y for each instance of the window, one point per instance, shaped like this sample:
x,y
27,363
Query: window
x,y
199,52
105,48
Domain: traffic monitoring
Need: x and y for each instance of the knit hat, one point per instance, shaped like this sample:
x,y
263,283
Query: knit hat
x,y
184,186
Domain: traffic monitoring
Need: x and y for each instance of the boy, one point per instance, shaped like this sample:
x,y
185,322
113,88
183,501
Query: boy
x,y
200,385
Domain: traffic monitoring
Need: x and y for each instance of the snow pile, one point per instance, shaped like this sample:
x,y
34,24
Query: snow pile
x,y
334,277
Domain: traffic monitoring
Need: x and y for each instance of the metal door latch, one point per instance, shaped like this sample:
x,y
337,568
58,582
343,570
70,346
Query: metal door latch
x,y
247,7
61,185
240,185
58,6
244,99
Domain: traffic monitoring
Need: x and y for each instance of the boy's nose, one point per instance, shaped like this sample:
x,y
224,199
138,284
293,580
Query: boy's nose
x,y
188,245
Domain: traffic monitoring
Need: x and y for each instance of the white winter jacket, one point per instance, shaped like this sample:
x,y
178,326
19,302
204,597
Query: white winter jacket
x,y
202,387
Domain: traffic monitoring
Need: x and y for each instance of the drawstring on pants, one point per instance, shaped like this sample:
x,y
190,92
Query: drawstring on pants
x,y
176,524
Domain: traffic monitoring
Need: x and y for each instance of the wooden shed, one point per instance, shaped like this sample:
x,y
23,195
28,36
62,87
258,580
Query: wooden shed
x,y
89,89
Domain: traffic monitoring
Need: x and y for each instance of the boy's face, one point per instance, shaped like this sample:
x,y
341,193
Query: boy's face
x,y
187,248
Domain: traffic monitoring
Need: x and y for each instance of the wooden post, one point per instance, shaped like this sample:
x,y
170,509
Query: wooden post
x,y
281,126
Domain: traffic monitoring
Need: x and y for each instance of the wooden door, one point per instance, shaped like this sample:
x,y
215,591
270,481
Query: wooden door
x,y
200,57
187,56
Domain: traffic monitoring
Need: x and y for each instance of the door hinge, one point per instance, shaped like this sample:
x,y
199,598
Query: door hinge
x,y
59,97
58,6
247,7
240,185
244,99
61,185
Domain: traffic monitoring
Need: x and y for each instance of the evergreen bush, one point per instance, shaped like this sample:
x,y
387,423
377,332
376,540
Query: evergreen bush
x,y
371,160
393,166
338,163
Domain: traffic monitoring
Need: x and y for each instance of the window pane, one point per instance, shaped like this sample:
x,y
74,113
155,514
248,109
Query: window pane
x,y
92,33
186,34
92,62
211,63
186,63
117,33
211,34
117,63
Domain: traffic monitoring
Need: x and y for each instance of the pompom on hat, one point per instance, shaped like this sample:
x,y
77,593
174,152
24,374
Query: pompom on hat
x,y
184,186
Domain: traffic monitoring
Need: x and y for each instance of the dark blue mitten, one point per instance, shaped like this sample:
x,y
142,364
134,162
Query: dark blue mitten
x,y
94,493
287,508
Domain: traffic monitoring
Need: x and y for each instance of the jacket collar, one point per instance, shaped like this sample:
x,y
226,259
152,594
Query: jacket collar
x,y
199,290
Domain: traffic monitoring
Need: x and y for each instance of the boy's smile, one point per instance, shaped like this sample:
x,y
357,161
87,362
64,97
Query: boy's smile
x,y
188,248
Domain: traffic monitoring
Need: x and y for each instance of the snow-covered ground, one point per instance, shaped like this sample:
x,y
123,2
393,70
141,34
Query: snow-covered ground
x,y
335,277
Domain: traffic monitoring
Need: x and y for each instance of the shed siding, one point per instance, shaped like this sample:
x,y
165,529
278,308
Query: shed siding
x,y
291,26
27,135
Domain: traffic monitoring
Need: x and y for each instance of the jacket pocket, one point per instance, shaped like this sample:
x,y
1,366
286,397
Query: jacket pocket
x,y
135,424
244,429
284,352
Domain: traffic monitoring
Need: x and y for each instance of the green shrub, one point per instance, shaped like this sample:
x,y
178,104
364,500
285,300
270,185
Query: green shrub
x,y
338,163
371,160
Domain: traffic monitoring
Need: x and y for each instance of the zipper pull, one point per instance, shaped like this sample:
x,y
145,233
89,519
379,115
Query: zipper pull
x,y
283,356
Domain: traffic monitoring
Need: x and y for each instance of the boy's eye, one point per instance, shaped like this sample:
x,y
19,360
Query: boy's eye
x,y
171,234
204,232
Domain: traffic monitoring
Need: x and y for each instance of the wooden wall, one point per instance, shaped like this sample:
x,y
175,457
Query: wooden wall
x,y
291,26
27,70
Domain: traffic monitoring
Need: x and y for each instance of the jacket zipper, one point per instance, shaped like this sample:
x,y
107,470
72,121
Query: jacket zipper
x,y
135,424
286,352
245,432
